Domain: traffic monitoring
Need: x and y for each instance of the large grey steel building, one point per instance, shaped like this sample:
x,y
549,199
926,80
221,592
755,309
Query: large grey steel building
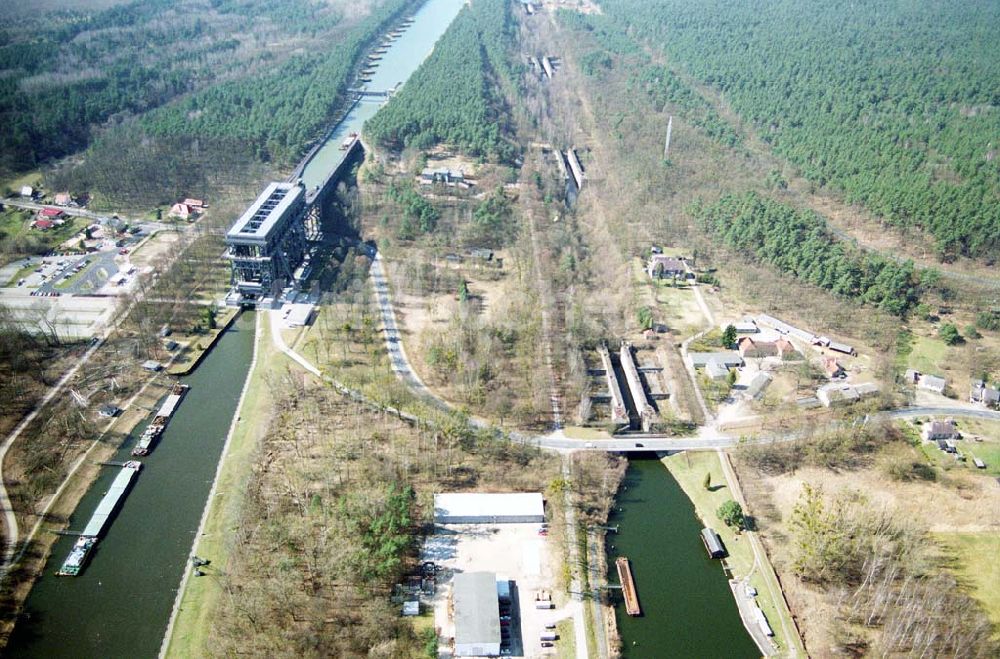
x,y
268,242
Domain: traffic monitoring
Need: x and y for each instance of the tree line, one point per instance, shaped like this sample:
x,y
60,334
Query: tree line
x,y
894,104
454,97
798,242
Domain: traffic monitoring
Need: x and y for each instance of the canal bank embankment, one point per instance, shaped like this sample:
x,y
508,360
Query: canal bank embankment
x,y
187,638
120,605
55,511
747,564
199,345
687,606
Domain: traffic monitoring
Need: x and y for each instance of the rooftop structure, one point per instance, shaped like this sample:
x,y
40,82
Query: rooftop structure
x,y
757,385
484,508
477,615
728,358
935,430
267,243
980,392
933,383
839,393
716,370
713,543
665,266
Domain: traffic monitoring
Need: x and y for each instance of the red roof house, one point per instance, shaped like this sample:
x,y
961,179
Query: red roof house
x,y
43,224
51,213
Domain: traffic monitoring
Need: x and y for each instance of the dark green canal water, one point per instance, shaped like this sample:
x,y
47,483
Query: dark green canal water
x,y
687,607
120,605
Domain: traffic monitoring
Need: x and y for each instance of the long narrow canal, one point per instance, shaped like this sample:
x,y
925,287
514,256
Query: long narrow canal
x,y
120,604
687,607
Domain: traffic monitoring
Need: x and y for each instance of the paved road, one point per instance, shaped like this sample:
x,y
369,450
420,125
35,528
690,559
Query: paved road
x,y
393,340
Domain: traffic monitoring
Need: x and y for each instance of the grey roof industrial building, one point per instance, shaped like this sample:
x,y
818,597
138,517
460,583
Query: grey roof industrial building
x,y
477,615
489,508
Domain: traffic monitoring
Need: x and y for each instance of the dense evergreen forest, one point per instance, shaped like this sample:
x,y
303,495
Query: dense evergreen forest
x,y
798,242
896,104
63,73
454,97
657,82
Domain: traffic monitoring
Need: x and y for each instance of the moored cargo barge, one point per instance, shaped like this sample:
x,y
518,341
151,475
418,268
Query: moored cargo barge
x,y
160,420
106,509
628,586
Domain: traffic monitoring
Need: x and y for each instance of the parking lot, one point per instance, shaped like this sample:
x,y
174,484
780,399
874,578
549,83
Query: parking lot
x,y
515,552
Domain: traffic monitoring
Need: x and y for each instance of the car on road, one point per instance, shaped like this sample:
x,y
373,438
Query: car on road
x,y
547,644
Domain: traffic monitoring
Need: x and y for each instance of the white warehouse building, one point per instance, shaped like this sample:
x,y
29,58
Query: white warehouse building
x,y
484,508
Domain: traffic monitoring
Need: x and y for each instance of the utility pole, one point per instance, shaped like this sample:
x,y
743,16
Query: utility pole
x,y
666,144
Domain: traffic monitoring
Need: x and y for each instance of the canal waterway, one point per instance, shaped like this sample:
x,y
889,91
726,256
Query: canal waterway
x,y
404,56
687,607
119,606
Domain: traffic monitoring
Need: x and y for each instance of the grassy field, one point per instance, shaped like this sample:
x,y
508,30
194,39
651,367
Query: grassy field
x,y
975,565
566,647
689,469
194,620
927,355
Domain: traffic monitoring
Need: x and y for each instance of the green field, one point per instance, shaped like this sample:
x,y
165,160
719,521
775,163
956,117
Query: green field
x,y
976,567
928,354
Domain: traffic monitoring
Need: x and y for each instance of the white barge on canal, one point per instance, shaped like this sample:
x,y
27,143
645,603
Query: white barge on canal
x,y
106,509
160,420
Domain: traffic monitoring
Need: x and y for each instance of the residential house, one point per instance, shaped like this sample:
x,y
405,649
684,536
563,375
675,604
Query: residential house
x,y
832,368
181,211
43,224
661,267
785,349
50,213
195,204
940,430
63,199
932,383
984,394
753,349
27,191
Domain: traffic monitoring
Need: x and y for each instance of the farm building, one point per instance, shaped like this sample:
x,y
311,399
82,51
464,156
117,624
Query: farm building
x,y
838,393
728,358
477,615
716,370
484,508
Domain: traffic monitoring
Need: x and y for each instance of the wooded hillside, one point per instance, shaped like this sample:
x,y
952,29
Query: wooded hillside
x,y
896,104
453,98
